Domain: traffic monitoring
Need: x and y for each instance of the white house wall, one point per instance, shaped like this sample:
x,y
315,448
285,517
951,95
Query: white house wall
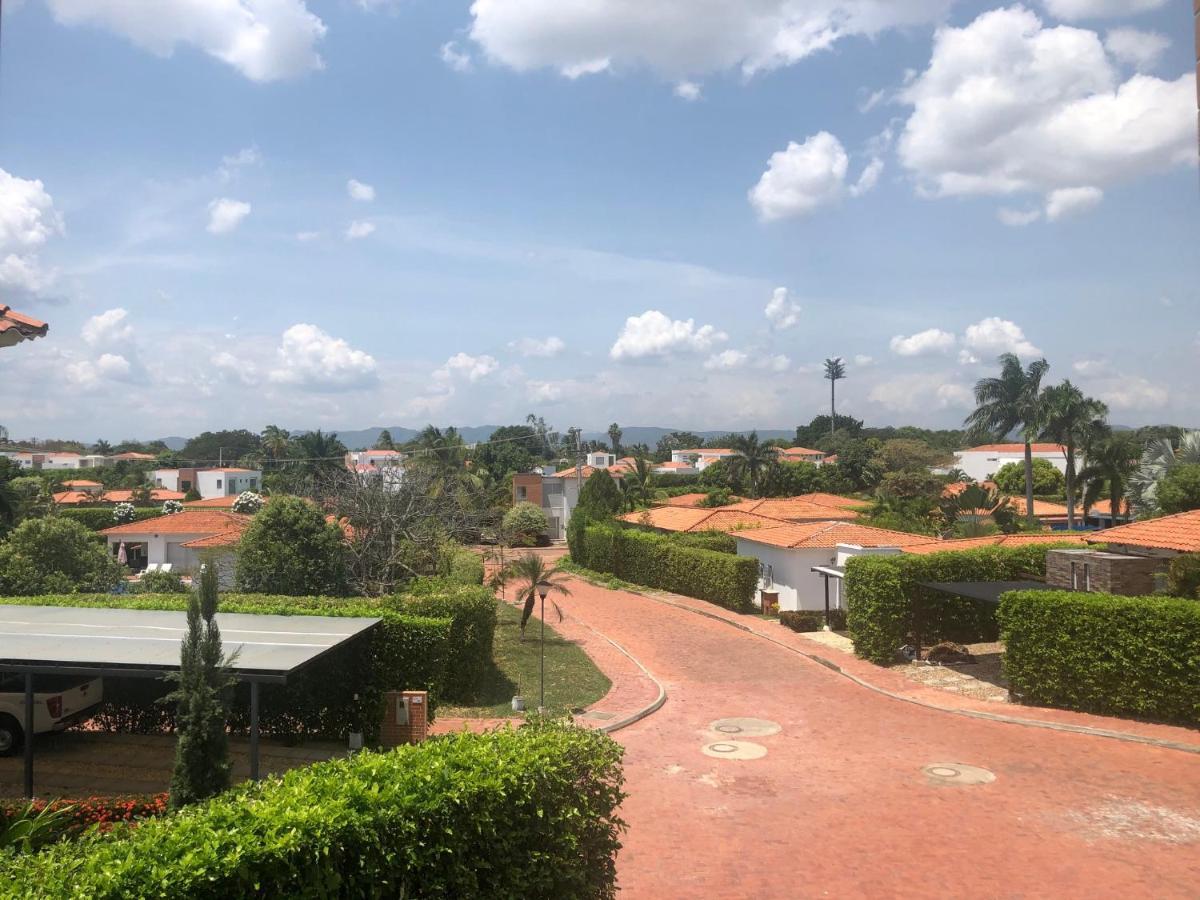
x,y
791,573
982,465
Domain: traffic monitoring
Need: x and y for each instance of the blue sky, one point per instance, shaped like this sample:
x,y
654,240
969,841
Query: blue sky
x,y
666,212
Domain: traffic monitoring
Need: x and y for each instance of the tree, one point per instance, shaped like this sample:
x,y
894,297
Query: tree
x,y
614,435
835,371
1072,420
1047,480
1179,491
510,449
599,500
822,427
911,455
102,447
317,454
55,556
858,465
676,440
975,511
1111,462
525,523
1012,401
384,441
290,549
10,501
212,447
276,442
751,460
788,479
528,572
201,701
1158,459
640,481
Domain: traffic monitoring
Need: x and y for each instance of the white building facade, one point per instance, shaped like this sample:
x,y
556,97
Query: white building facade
x,y
981,463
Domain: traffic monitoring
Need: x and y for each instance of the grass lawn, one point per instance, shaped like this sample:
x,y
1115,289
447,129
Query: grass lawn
x,y
572,681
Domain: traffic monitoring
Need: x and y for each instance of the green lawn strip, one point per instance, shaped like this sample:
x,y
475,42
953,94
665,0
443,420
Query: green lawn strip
x,y
572,679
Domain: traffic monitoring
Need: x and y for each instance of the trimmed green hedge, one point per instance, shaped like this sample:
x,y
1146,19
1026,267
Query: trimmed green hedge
x,y
437,639
530,813
885,601
812,619
717,541
1101,653
657,561
98,518
465,567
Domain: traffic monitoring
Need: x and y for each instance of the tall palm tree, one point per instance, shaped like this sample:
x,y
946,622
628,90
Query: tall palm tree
x,y
640,481
275,441
1159,457
527,572
1111,462
1012,401
835,371
752,460
614,435
102,447
319,453
1073,420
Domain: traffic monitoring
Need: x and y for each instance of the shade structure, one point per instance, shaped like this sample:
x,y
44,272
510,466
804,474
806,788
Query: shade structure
x,y
136,643
984,591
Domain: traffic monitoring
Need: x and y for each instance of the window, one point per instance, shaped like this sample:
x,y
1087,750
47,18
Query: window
x,y
253,483
218,484
184,486
522,493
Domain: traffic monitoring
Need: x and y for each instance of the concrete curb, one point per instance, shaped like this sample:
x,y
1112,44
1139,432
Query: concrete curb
x,y
968,713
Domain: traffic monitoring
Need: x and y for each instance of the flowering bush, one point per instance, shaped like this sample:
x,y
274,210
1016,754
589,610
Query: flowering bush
x,y
248,502
103,812
171,507
124,512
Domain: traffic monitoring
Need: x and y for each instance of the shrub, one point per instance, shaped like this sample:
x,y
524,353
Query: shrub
x,y
526,523
124,513
1183,576
655,560
289,548
717,541
55,555
170,507
160,583
885,601
599,500
1047,480
462,566
191,496
98,518
248,503
406,651
80,815
510,813
1179,490
812,619
472,611
1135,656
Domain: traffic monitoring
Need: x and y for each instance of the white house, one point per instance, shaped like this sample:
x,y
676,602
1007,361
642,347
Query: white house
x,y
182,540
787,555
601,459
701,458
227,482
557,493
981,463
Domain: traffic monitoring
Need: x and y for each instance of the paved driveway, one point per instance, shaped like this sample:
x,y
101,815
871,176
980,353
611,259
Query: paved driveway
x,y
840,806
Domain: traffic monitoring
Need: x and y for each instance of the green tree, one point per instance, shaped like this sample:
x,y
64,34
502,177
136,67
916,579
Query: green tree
x,y
640,481
676,440
318,455
201,700
524,524
384,441
752,461
788,479
10,501
599,500
290,549
835,371
858,466
1179,491
102,447
211,447
55,556
614,436
911,455
527,572
822,427
1161,455
1111,462
275,442
1072,420
976,511
510,449
1047,480
1012,401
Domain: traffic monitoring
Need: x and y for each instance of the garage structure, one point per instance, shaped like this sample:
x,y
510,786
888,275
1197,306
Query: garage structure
x,y
130,643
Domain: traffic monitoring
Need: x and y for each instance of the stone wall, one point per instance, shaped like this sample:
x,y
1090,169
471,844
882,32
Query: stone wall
x,y
1101,572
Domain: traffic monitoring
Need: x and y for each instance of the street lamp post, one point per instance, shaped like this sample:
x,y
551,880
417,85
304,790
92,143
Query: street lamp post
x,y
543,588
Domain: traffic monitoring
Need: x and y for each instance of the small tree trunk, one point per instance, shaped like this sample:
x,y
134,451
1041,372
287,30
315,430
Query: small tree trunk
x,y
832,408
1029,516
1070,487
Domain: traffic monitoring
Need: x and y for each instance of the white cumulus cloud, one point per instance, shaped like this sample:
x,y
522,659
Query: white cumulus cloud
x,y
543,347
455,57
992,336
726,359
931,340
1009,105
687,90
1134,393
309,357
109,327
357,230
654,334
802,178
224,215
1066,202
1140,49
919,393
780,311
108,367
265,40
1072,10
28,220
472,368
1017,218
360,191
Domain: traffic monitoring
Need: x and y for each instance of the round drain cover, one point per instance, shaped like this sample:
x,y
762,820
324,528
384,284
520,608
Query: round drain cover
x,y
957,773
734,750
745,727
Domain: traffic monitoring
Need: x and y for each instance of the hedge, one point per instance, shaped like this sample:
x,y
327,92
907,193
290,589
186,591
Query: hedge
x,y
717,541
98,518
511,814
812,619
657,561
1101,653
886,604
464,567
438,639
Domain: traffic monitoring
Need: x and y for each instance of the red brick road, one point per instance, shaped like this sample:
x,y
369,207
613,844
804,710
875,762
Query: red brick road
x,y
839,806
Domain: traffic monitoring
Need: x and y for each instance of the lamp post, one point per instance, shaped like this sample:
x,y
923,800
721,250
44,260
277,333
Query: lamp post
x,y
543,588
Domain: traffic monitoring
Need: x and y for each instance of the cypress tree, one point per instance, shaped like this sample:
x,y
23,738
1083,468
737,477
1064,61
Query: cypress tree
x,y
202,701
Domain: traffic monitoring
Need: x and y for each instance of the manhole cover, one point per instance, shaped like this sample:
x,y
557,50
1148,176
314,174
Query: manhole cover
x,y
734,750
744,727
957,773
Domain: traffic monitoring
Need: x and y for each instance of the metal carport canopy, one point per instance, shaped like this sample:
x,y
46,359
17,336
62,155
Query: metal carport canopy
x,y
135,643
985,591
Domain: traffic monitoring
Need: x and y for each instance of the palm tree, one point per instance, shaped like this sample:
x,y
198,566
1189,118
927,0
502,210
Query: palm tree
x,y
1111,462
275,441
835,371
1012,401
614,435
102,447
528,572
384,441
967,511
319,453
1073,420
752,460
640,481
1159,457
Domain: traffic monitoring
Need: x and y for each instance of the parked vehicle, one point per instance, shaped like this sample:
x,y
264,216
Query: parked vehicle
x,y
58,701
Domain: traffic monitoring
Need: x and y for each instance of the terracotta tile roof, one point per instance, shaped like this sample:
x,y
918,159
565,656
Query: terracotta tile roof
x,y
995,540
673,465
131,455
1017,448
157,495
74,498
689,500
81,483
191,521
676,518
224,539
826,535
1105,508
16,327
216,502
1180,532
227,469
614,471
801,453
794,509
1042,509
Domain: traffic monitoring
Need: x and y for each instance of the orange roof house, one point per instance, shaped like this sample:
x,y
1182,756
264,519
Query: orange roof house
x,y
924,546
16,327
180,540
1165,536
676,518
795,509
822,535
